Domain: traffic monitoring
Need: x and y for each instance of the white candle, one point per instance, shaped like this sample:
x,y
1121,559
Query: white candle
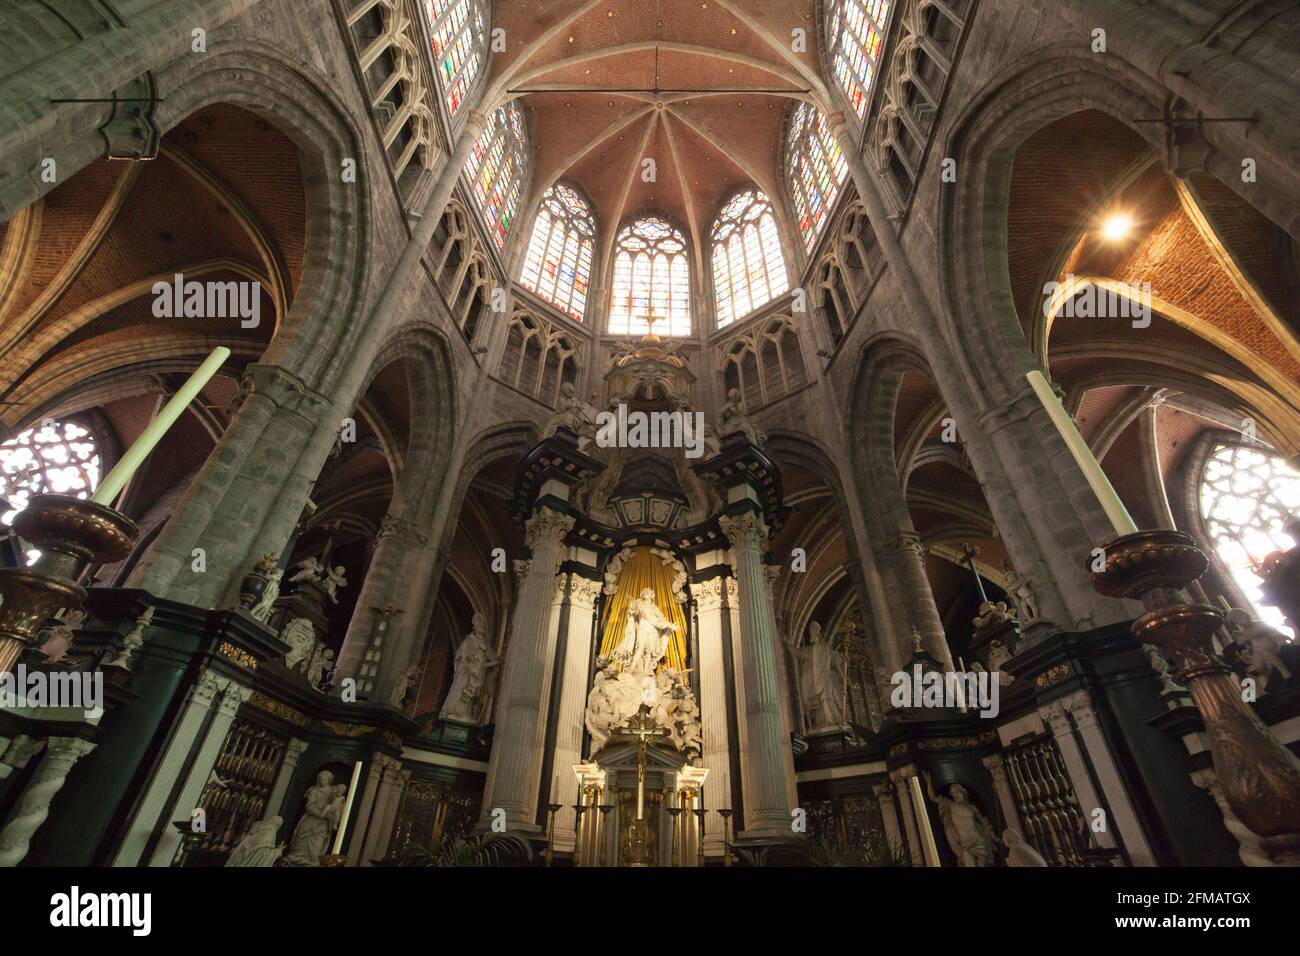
x,y
928,846
116,479
1091,468
347,809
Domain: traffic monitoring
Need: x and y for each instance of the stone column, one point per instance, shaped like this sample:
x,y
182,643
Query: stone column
x,y
292,753
516,761
888,813
767,768
1002,787
34,805
582,596
899,779
709,602
918,598
380,825
1064,715
169,842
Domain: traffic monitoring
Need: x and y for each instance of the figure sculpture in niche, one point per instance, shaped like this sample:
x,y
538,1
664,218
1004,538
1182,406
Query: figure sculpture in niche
x,y
324,811
821,682
968,832
258,847
646,635
732,418
474,659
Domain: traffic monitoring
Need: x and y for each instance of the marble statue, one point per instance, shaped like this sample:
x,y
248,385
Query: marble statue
x,y
732,418
300,635
258,847
1020,589
474,658
821,682
336,580
311,837
997,658
1020,853
966,829
574,414
646,635
991,614
615,697
403,686
309,570
1260,644
56,648
261,611
322,664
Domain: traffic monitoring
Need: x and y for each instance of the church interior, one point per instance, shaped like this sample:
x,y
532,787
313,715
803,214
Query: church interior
x,y
673,433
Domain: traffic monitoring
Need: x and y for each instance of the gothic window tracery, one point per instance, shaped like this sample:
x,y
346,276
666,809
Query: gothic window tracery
x,y
497,168
558,264
1246,494
652,279
458,32
50,458
766,364
856,36
748,268
815,169
538,359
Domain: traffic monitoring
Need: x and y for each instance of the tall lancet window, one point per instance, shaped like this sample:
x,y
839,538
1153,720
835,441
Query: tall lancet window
x,y
458,31
856,34
748,268
1246,495
815,170
558,264
497,168
652,280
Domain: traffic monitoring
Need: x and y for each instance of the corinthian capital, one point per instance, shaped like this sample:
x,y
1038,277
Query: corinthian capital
x,y
708,594
744,530
547,527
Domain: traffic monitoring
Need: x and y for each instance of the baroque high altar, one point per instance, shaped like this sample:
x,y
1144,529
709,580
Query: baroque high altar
x,y
638,719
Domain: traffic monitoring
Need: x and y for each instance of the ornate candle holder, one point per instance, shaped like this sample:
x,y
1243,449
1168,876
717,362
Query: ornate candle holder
x,y
550,833
601,840
579,809
333,860
71,534
726,836
1259,777
699,814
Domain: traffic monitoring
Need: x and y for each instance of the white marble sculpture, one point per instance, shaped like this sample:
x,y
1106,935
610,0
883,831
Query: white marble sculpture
x,y
1020,853
308,570
474,659
732,418
997,658
821,682
311,837
403,686
300,635
258,847
261,611
322,664
574,414
991,614
1020,590
56,648
967,831
1260,644
645,636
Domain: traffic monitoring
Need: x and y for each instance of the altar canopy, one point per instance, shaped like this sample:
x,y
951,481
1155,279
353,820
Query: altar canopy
x,y
644,569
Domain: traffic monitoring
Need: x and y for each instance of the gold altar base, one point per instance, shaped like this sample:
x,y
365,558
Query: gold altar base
x,y
1259,777
71,533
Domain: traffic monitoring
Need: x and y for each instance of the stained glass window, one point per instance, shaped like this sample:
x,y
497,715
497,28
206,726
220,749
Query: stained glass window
x,y
458,30
815,168
856,35
748,268
496,170
652,280
1246,494
558,264
51,458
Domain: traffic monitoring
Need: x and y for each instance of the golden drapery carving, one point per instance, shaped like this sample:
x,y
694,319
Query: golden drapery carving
x,y
644,569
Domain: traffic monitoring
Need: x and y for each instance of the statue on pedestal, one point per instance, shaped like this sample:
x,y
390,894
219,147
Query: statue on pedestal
x,y
733,418
646,635
311,837
474,658
1020,590
258,847
261,611
968,832
403,686
991,614
574,414
821,682
322,663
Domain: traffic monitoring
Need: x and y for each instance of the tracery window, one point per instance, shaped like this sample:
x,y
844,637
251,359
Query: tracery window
x,y
652,279
815,168
51,458
856,36
1246,494
748,268
458,31
496,169
558,264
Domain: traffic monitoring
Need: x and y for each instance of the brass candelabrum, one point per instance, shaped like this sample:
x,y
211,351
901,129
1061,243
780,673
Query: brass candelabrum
x,y
726,836
550,833
71,533
1259,777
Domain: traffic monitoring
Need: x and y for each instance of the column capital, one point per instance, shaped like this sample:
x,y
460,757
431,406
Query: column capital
x,y
709,594
747,530
402,530
583,592
547,526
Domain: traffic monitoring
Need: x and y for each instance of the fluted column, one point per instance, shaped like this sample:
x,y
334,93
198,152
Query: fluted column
x,y
902,789
577,637
712,598
380,825
288,764
516,761
767,767
888,814
1002,787
34,805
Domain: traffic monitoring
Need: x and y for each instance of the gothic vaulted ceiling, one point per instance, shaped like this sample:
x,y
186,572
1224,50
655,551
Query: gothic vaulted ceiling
x,y
684,83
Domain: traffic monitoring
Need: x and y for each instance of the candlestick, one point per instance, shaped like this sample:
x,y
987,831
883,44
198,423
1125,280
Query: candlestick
x,y
347,809
1091,468
116,479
